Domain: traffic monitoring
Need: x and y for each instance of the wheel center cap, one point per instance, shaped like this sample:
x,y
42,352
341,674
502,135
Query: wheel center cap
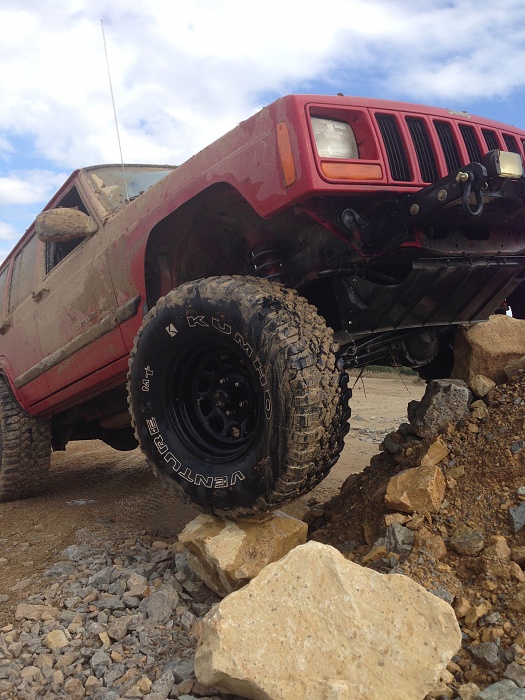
x,y
220,398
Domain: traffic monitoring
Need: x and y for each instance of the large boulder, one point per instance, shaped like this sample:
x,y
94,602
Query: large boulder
x,y
315,625
487,348
226,554
445,401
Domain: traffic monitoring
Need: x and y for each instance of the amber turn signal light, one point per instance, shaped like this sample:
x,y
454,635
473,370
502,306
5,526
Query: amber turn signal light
x,y
352,171
285,154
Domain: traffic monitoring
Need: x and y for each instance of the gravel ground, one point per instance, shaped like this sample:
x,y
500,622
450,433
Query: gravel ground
x,y
114,619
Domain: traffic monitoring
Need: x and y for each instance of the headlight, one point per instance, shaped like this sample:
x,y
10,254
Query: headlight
x,y
334,139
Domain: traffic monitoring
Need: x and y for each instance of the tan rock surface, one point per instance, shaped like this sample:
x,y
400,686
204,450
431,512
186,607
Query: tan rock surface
x,y
437,450
315,625
480,384
227,554
431,543
416,490
486,348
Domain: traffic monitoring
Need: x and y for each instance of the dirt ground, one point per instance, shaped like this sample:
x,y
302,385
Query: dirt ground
x,y
94,486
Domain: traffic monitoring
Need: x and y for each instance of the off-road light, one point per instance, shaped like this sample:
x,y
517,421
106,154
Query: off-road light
x,y
334,139
503,164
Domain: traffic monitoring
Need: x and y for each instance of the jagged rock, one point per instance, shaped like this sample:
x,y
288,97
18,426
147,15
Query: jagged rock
x,y
25,611
502,690
516,673
420,489
399,539
56,639
517,517
479,410
480,384
440,691
466,540
498,548
430,543
461,606
391,518
393,442
436,451
158,608
518,555
468,691
486,348
518,602
514,366
227,554
498,568
487,653
445,401
378,552
273,638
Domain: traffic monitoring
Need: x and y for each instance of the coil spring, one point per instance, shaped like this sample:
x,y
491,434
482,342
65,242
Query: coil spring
x,y
267,262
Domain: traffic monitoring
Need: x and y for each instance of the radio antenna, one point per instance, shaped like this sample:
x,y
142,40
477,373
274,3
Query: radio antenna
x,y
115,113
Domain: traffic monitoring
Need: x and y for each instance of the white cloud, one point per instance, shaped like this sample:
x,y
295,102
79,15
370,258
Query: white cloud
x,y
7,233
186,72
183,73
30,187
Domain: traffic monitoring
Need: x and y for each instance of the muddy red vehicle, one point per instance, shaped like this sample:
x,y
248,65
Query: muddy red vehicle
x,y
209,312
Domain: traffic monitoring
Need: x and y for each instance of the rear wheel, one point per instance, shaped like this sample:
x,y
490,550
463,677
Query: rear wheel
x,y
235,394
25,449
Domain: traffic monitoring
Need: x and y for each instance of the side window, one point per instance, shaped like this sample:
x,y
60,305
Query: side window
x,y
3,280
23,272
56,252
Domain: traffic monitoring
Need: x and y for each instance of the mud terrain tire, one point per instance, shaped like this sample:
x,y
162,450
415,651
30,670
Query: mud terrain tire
x,y
235,394
25,449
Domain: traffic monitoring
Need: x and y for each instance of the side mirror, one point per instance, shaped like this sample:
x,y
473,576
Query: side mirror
x,y
62,225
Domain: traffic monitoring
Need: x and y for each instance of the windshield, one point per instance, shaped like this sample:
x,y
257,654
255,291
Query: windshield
x,y
108,182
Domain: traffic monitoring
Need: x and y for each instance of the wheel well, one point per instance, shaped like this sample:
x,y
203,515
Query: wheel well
x,y
212,234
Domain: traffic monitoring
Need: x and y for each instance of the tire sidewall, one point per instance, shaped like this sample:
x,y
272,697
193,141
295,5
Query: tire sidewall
x,y
187,322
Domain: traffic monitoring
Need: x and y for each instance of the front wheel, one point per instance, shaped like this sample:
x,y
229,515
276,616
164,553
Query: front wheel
x,y
235,395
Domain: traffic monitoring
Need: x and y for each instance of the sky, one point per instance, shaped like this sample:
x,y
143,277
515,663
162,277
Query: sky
x,y
186,71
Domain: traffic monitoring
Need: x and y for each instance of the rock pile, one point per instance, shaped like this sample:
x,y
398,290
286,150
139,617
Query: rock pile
x,y
444,503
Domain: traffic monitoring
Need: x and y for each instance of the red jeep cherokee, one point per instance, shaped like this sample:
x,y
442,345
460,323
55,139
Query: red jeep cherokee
x,y
209,312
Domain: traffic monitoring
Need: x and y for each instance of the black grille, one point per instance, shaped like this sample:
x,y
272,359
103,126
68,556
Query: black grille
x,y
511,144
471,143
450,151
426,149
490,139
425,155
395,151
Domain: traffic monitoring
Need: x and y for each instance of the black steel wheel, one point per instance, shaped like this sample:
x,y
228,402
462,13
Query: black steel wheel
x,y
214,406
235,395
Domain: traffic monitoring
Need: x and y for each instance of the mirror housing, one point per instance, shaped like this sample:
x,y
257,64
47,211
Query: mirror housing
x,y
62,225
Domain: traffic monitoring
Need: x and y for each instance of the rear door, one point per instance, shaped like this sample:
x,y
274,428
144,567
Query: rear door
x,y
76,307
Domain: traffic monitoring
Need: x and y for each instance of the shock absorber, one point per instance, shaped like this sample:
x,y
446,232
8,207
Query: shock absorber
x,y
267,262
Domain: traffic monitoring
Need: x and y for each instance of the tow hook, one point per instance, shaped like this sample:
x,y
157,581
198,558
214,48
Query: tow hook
x,y
470,182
